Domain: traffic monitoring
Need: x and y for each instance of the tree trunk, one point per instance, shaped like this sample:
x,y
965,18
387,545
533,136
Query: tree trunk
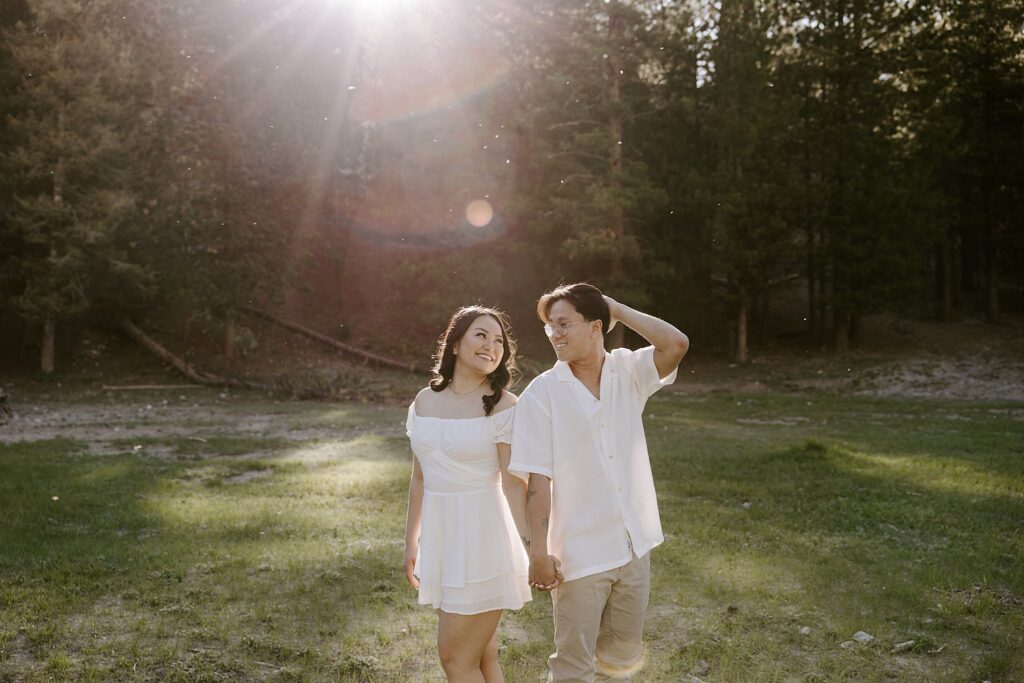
x,y
819,333
946,279
305,331
47,363
841,331
741,331
706,316
615,21
179,364
812,295
969,259
1020,278
49,344
809,217
856,326
992,284
764,305
229,335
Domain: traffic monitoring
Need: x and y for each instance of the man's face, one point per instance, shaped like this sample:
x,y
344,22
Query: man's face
x,y
573,337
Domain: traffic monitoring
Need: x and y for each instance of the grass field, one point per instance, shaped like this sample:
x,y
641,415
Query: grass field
x,y
235,538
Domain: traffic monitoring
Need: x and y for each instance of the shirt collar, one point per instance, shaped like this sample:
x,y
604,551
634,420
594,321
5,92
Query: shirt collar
x,y
564,373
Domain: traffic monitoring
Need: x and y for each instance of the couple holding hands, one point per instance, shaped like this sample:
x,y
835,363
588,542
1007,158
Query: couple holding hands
x,y
553,490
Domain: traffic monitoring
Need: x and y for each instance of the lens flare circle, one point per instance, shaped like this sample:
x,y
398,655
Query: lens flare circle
x,y
479,213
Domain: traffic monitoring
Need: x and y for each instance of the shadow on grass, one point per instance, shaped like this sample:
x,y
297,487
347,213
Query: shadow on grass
x,y
771,538
126,565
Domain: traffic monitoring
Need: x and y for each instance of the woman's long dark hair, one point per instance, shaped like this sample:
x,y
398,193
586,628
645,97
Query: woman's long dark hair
x,y
444,359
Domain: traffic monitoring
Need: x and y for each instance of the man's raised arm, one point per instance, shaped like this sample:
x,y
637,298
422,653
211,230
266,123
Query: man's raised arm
x,y
670,345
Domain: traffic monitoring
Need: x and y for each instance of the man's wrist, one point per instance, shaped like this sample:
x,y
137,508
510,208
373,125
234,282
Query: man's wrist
x,y
613,306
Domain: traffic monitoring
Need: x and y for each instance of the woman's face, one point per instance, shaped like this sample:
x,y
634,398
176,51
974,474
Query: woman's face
x,y
482,346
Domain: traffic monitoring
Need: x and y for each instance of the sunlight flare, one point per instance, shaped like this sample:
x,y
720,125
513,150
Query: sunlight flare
x,y
479,213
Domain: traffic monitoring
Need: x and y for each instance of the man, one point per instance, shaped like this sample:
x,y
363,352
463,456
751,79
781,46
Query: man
x,y
579,442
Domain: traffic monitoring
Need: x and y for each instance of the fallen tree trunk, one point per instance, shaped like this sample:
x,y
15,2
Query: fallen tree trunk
x,y
146,387
324,339
197,376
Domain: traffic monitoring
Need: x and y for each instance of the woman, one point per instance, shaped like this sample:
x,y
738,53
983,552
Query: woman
x,y
464,540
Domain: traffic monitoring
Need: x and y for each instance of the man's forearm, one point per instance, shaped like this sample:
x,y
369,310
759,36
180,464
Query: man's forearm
x,y
664,336
538,512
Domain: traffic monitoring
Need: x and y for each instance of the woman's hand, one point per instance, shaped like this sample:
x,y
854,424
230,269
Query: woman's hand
x,y
545,572
411,550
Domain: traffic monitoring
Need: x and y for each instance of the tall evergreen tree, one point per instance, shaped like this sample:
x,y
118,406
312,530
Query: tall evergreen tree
x,y
74,126
970,69
857,209
592,190
753,243
674,137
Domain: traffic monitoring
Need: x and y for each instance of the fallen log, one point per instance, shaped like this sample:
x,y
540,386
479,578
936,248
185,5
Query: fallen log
x,y
197,376
324,339
141,387
5,410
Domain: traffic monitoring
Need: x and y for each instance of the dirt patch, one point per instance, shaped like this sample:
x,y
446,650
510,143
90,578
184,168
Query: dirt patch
x,y
969,360
785,421
708,387
982,377
18,651
207,424
248,475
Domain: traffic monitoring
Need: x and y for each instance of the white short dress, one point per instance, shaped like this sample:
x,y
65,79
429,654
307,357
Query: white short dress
x,y
471,559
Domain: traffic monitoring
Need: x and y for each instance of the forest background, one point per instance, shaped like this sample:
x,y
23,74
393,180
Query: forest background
x,y
810,186
756,171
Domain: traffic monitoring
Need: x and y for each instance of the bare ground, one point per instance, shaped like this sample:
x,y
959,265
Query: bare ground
x,y
111,421
969,360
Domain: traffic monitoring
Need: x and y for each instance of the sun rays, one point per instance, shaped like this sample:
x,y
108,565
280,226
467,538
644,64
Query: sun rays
x,y
361,67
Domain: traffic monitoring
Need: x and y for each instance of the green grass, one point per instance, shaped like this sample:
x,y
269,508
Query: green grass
x,y
226,554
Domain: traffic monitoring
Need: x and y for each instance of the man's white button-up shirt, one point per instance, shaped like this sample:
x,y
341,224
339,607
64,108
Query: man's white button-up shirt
x,y
603,506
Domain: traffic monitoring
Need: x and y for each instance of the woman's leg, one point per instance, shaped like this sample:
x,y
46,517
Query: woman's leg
x,y
489,664
462,640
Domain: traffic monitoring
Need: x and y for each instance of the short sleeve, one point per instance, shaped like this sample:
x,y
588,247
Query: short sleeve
x,y
410,419
640,364
503,422
532,443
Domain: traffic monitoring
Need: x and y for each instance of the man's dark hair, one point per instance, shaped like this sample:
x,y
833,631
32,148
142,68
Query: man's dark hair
x,y
587,299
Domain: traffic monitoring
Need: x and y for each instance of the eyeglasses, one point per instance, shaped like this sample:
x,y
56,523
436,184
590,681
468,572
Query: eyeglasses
x,y
562,328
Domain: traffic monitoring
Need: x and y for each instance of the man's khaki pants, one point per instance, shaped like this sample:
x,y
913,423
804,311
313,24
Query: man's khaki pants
x,y
599,624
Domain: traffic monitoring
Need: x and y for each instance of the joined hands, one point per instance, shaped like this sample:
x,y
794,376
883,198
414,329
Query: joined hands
x,y
545,572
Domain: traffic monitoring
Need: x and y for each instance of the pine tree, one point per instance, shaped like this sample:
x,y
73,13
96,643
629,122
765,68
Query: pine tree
x,y
857,233
972,94
73,125
753,243
594,196
674,138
